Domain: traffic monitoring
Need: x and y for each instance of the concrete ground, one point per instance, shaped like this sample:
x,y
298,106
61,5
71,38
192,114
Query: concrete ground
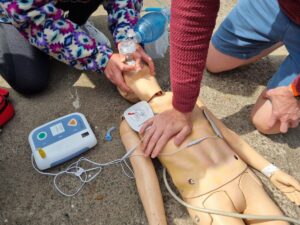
x,y
28,198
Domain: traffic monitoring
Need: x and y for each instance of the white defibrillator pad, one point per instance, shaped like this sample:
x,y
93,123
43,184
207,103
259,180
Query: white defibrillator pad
x,y
138,114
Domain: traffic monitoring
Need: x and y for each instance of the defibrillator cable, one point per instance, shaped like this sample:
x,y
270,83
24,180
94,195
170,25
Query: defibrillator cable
x,y
83,174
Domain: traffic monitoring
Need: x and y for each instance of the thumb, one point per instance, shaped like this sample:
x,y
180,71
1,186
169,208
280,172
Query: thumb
x,y
179,138
284,126
267,94
119,81
296,184
138,61
127,68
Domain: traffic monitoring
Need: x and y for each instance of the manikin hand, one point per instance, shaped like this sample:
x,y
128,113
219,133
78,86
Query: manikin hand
x,y
285,108
162,128
287,185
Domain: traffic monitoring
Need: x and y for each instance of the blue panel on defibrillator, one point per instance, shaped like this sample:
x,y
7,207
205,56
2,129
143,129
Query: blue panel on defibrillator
x,y
57,131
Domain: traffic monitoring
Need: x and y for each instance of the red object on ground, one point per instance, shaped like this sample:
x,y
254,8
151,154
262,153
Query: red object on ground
x,y
6,108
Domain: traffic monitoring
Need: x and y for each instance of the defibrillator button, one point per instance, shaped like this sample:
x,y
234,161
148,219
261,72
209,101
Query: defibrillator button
x,y
72,123
42,136
42,153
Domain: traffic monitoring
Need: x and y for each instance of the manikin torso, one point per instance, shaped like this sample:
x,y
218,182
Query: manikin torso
x,y
198,169
212,151
209,174
193,167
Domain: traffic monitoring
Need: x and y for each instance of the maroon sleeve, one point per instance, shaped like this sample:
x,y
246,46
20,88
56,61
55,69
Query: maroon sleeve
x,y
192,23
296,86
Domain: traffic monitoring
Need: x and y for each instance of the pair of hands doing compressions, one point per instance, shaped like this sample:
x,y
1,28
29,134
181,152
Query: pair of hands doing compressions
x,y
158,134
178,124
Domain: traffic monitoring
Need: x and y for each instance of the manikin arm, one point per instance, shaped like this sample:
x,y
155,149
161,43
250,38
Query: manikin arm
x,y
284,182
244,150
145,176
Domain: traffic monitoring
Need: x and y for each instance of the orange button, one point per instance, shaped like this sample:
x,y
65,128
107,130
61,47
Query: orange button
x,y
72,123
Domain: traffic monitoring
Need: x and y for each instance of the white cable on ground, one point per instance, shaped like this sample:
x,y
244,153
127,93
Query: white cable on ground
x,y
224,213
78,171
83,174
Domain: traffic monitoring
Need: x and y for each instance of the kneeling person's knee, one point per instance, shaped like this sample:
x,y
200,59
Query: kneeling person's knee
x,y
261,116
26,76
29,84
262,125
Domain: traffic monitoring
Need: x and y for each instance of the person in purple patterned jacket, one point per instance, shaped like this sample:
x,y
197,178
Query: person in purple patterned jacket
x,y
69,38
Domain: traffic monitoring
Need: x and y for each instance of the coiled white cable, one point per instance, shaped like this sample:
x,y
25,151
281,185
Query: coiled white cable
x,y
84,175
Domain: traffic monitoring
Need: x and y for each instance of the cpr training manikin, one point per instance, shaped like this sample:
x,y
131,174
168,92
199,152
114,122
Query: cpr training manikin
x,y
211,169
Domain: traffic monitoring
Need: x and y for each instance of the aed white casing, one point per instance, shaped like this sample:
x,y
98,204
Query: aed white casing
x,y
60,140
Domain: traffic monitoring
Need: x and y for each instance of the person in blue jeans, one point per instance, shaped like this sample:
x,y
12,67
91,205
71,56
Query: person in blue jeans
x,y
251,31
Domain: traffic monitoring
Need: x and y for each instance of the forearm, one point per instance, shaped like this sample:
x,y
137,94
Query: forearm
x,y
122,16
245,151
45,27
149,189
192,23
146,178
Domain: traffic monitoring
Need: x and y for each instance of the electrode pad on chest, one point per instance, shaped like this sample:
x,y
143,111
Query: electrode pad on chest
x,y
138,114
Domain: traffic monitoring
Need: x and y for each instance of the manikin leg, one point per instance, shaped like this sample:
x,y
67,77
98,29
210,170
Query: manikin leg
x,y
258,201
243,195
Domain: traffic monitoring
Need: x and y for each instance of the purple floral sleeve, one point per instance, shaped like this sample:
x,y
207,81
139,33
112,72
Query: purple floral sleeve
x,y
122,15
45,27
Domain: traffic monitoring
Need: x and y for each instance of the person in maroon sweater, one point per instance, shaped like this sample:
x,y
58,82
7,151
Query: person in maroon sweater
x,y
251,31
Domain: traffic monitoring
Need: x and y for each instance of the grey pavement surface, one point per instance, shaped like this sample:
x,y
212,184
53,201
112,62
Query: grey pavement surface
x,y
28,198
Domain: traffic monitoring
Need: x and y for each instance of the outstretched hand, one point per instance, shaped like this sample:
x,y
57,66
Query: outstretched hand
x,y
285,108
160,129
287,185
